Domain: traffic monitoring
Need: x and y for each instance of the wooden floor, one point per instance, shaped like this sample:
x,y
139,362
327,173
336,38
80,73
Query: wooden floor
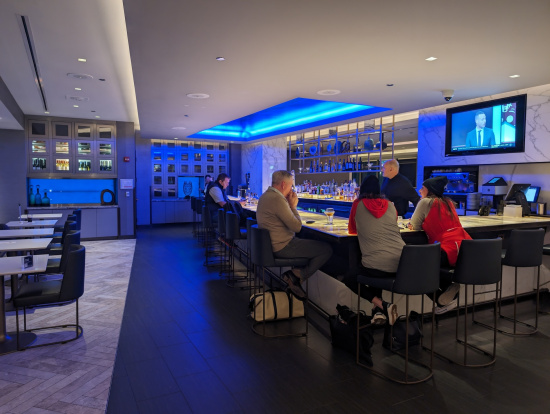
x,y
74,377
186,346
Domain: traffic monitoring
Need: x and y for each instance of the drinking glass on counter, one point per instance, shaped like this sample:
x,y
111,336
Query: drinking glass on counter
x,y
329,212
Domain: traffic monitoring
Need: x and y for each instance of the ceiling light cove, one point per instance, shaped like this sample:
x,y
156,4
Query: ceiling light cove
x,y
293,115
198,95
328,92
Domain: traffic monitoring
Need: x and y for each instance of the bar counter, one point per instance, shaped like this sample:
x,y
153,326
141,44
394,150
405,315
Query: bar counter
x,y
326,289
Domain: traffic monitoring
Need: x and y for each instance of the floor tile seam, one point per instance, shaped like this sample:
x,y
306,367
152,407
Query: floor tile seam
x,y
87,386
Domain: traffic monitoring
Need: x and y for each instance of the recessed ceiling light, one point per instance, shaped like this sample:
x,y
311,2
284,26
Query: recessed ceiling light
x,y
93,111
97,116
389,84
81,60
327,92
102,79
179,127
76,106
431,59
77,89
175,138
514,76
220,58
198,95
46,112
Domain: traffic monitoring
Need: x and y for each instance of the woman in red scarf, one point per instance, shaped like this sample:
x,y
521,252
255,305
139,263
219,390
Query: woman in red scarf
x,y
374,220
436,215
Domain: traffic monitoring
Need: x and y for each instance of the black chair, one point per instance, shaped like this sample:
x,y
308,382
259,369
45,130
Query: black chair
x,y
3,227
249,265
233,233
194,210
199,203
417,274
262,258
78,214
478,264
58,237
545,252
223,244
58,264
524,249
212,250
54,293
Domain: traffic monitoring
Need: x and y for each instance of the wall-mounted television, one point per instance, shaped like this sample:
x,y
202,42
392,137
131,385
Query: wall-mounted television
x,y
190,186
491,127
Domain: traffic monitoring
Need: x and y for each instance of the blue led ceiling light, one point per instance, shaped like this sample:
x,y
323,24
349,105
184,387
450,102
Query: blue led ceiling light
x,y
293,115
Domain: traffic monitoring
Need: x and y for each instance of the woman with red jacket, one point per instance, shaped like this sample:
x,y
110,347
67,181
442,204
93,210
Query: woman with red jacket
x,y
436,215
374,220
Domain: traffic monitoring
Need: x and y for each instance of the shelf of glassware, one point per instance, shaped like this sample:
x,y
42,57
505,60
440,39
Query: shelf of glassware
x,y
337,144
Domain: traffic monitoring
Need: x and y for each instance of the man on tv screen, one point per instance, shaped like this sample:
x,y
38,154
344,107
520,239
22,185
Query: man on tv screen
x,y
480,136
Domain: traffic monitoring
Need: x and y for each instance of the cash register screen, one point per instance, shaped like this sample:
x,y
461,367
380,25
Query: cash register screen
x,y
532,194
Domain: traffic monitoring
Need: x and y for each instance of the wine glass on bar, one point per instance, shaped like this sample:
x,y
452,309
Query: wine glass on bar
x,y
329,212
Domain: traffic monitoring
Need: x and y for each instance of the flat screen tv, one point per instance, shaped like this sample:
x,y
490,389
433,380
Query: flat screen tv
x,y
491,127
190,186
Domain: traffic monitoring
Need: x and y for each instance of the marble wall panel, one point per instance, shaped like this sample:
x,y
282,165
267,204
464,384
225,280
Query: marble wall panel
x,y
261,159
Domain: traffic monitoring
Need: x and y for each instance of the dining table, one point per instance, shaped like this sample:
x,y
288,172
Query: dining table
x,y
24,245
41,216
31,224
25,233
14,266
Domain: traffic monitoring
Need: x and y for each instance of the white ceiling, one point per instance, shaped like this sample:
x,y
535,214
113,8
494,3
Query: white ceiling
x,y
275,50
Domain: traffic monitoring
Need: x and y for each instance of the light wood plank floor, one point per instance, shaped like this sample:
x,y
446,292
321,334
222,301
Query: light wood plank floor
x,y
74,377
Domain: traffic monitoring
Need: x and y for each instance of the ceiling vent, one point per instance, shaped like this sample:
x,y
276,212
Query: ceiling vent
x,y
81,76
28,41
77,98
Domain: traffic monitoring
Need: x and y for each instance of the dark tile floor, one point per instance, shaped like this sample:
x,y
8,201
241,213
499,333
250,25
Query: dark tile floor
x,y
186,346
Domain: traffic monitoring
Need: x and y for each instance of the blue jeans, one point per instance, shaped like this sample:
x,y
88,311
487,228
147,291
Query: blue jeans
x,y
317,251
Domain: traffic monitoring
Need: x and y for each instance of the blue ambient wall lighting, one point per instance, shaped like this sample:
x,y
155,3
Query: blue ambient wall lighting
x,y
293,115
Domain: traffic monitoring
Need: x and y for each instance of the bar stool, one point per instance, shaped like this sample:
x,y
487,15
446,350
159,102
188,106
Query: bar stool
x,y
199,203
417,274
545,252
194,210
210,249
262,257
524,249
249,265
478,264
223,244
233,233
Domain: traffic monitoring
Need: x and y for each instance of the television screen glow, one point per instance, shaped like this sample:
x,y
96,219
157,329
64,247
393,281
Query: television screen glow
x,y
492,127
190,186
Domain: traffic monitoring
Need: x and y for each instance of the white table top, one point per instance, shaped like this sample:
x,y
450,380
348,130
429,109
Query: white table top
x,y
42,216
31,224
13,265
25,233
24,244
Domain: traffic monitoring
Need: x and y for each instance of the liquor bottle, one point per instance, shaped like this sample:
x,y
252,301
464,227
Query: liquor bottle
x,y
46,199
339,164
325,168
31,196
360,166
311,166
38,197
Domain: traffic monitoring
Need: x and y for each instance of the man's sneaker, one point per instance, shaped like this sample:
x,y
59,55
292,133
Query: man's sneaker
x,y
294,285
390,311
449,295
378,318
439,310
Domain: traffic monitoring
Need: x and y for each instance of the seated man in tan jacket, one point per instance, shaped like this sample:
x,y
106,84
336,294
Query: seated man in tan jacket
x,y
277,213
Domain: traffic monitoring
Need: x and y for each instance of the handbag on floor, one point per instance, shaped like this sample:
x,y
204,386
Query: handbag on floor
x,y
278,305
400,332
343,330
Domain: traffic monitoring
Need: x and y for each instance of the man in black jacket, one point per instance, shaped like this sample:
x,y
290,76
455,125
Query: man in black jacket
x,y
397,188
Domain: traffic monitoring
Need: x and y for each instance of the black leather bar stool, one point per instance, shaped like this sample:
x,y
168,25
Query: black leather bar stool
x,y
58,236
524,249
210,244
233,233
194,210
417,274
478,264
199,204
249,265
545,252
223,244
262,258
78,214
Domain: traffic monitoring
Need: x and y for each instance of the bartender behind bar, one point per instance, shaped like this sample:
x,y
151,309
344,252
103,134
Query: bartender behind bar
x,y
397,188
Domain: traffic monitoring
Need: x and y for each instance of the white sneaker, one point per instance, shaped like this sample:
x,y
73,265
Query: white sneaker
x,y
439,310
378,319
449,295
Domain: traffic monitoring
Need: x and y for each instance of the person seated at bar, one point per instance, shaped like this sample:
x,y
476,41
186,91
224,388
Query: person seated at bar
x,y
277,212
207,180
397,188
215,197
374,220
436,215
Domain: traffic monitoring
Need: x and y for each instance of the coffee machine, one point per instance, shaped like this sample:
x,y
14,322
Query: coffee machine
x,y
493,191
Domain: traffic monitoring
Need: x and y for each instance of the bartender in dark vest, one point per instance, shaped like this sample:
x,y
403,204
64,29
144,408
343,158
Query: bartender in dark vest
x,y
397,188
216,197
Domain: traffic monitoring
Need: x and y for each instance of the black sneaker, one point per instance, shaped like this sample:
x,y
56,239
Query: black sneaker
x,y
390,310
294,285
